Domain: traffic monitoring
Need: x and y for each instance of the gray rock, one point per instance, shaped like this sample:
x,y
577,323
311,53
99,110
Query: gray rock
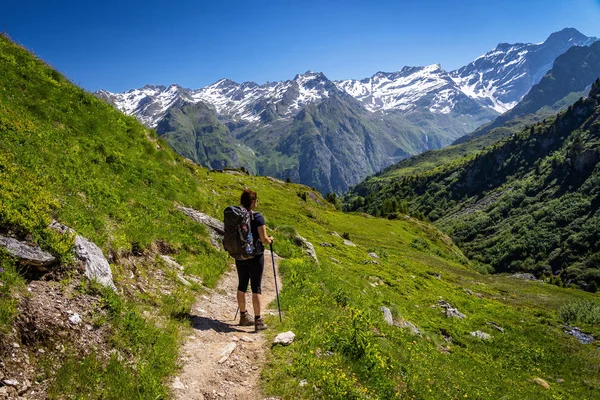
x,y
524,276
177,384
75,319
373,255
11,382
216,228
496,326
409,325
184,281
451,312
577,334
481,335
284,339
309,249
374,262
27,254
387,315
227,352
325,244
96,265
171,263
349,243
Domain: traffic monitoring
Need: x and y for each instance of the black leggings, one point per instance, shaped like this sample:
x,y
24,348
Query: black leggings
x,y
250,270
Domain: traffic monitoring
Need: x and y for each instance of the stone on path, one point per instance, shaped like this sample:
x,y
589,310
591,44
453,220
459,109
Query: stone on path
x,y
227,352
177,384
284,339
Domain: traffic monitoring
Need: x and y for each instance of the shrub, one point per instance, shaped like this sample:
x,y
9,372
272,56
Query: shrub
x,y
584,311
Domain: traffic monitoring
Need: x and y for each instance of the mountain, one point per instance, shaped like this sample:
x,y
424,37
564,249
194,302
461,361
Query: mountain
x,y
501,77
570,76
528,203
402,113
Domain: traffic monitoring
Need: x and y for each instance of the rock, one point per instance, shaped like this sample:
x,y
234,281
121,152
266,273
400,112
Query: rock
x,y
525,276
75,319
387,315
284,339
413,329
246,339
216,228
171,263
373,255
469,291
177,384
335,260
96,265
349,243
11,382
481,335
496,326
577,334
309,248
451,312
334,233
275,180
542,383
227,352
184,281
27,254
16,345
325,244
374,262
303,383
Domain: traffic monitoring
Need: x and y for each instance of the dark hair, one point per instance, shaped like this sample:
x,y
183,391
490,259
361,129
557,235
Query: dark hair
x,y
247,197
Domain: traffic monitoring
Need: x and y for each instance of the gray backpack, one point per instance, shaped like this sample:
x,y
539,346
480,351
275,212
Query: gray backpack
x,y
238,240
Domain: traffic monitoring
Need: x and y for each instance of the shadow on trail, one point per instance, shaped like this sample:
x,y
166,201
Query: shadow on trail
x,y
206,324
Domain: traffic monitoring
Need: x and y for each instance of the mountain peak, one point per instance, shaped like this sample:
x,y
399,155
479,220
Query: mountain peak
x,y
565,35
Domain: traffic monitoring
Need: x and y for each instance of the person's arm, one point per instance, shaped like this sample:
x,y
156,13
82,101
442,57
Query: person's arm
x,y
262,232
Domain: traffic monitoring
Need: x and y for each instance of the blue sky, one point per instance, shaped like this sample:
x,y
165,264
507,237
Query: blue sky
x,y
120,45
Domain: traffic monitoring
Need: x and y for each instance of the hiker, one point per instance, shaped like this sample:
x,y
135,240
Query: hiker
x,y
252,269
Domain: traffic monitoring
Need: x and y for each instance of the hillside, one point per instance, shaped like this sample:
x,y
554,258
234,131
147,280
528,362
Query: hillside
x,y
445,330
528,203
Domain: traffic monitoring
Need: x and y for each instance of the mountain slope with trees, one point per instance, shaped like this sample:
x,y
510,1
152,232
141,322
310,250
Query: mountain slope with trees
x,y
529,203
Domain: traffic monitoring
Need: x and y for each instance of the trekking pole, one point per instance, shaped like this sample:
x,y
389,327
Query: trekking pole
x,y
236,313
275,277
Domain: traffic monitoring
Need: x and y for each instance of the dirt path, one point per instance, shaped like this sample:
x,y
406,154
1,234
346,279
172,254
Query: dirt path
x,y
208,373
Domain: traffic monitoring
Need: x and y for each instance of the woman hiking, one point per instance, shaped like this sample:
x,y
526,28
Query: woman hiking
x,y
252,269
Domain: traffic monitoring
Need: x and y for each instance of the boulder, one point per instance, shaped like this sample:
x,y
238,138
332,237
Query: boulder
x,y
216,228
387,315
27,254
284,339
451,312
96,265
309,249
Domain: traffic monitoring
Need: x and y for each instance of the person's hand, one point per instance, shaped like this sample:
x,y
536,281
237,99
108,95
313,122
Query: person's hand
x,y
271,239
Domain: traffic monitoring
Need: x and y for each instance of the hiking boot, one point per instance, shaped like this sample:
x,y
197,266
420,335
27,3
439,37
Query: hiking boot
x,y
246,320
259,324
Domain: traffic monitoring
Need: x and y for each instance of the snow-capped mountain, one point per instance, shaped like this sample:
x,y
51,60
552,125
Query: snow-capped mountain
x,y
430,87
501,77
248,101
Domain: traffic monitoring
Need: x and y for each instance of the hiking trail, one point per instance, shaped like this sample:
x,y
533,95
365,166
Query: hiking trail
x,y
208,372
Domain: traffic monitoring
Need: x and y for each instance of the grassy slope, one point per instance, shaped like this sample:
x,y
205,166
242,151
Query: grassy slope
x,y
103,174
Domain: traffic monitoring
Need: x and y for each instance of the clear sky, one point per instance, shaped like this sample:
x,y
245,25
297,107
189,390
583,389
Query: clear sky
x,y
120,45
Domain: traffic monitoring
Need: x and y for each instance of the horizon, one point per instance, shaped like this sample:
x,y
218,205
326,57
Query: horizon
x,y
117,47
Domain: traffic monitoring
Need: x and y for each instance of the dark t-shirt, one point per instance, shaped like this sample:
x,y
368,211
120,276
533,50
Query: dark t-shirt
x,y
257,220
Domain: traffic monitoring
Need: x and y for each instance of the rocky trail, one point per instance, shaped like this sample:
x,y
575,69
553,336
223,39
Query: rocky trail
x,y
222,360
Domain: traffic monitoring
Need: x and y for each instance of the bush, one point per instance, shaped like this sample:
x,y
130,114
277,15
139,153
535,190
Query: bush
x,y
584,311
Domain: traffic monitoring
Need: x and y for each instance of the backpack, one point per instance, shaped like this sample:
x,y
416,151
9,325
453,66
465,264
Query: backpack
x,y
237,239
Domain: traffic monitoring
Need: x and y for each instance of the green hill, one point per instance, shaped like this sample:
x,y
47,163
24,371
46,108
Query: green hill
x,y
68,156
528,203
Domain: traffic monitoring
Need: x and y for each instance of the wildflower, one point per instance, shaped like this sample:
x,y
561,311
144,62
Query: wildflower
x,y
1,269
